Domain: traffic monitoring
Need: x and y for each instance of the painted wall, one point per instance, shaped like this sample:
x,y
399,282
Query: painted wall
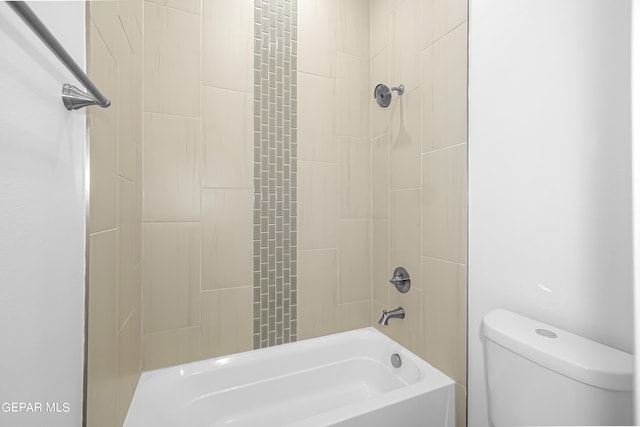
x,y
549,170
635,123
42,221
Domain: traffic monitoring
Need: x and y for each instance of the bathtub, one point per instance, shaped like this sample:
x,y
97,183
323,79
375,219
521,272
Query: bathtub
x,y
345,379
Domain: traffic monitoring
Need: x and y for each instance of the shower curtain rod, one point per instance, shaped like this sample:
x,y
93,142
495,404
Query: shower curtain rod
x,y
72,97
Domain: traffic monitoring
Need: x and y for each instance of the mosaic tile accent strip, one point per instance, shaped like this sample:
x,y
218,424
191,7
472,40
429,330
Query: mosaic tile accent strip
x,y
275,173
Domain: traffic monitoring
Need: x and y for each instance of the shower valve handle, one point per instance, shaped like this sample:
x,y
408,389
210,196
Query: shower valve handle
x,y
401,280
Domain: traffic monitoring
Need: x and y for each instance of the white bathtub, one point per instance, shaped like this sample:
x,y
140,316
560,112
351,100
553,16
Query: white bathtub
x,y
345,379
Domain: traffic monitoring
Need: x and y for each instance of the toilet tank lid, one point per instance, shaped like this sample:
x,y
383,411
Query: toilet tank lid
x,y
567,354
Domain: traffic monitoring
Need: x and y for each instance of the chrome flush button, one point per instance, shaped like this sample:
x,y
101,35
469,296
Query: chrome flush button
x,y
546,333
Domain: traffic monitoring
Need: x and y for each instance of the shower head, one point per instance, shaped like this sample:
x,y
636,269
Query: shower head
x,y
382,94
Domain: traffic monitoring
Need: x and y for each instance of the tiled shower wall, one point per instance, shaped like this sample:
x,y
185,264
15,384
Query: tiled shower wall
x,y
376,188
334,152
114,359
202,151
419,178
198,180
380,188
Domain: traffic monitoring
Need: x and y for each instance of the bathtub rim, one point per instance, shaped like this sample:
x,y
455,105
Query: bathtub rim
x,y
431,379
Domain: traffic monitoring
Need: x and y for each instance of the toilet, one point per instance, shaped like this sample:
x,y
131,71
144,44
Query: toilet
x,y
540,375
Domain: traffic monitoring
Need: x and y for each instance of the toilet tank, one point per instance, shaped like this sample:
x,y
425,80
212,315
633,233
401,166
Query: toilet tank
x,y
538,374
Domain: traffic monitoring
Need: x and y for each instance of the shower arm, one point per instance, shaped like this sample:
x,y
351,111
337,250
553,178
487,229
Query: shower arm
x,y
399,89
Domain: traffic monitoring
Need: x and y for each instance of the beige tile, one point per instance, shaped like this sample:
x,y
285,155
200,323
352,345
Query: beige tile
x,y
354,315
380,261
137,297
406,142
380,177
450,89
103,129
428,102
353,27
137,213
407,331
394,4
227,321
102,351
376,314
127,13
172,347
317,37
129,363
404,235
227,44
444,204
171,271
227,126
317,292
444,302
462,332
172,61
227,238
379,25
354,178
354,96
404,53
380,117
450,13
354,260
126,109
139,14
317,127
192,6
104,15
429,22
171,174
317,205
461,406
138,70
128,288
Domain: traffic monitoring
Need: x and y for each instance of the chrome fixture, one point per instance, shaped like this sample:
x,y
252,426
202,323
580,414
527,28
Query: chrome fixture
x,y
401,280
398,313
72,97
396,361
382,94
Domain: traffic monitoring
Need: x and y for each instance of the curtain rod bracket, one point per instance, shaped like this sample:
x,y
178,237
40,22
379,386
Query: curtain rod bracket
x,y
72,97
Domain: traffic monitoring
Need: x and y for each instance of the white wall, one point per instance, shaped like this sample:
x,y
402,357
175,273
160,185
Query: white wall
x,y
549,170
42,220
635,126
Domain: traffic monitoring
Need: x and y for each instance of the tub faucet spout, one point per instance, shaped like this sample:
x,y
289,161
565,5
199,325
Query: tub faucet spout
x,y
386,315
